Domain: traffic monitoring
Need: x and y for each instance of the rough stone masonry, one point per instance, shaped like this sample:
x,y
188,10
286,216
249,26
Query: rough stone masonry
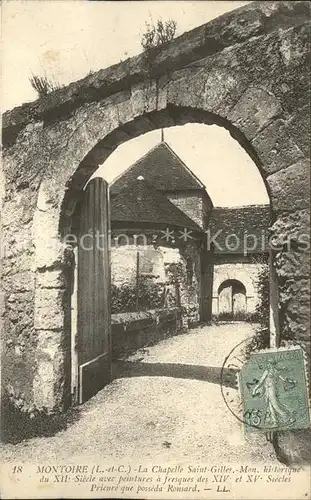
x,y
247,71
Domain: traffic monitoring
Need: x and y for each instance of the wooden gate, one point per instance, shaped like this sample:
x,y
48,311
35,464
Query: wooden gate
x,y
93,321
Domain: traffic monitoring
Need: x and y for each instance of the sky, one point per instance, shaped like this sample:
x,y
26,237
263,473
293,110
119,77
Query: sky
x,y
65,39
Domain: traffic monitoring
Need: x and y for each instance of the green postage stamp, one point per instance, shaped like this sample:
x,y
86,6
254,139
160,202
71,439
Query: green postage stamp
x,y
273,389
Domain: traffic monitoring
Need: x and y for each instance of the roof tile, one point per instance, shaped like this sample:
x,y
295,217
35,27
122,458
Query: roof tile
x,y
139,202
163,170
241,221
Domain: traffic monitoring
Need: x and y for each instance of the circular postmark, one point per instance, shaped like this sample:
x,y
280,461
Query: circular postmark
x,y
229,378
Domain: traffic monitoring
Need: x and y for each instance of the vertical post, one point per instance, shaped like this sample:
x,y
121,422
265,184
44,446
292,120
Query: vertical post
x,y
274,324
178,305
137,280
74,330
230,296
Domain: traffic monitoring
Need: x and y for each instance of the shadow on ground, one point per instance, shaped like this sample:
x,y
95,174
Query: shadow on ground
x,y
18,424
212,374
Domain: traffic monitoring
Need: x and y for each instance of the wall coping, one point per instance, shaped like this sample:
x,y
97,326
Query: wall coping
x,y
152,315
235,27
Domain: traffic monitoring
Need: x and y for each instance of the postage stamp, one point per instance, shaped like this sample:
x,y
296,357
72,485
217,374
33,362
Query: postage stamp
x,y
273,390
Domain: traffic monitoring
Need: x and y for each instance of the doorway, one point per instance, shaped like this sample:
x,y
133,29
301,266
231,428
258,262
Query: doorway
x,y
232,303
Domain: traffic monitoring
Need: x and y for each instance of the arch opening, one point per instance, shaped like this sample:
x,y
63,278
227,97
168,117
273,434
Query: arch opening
x,y
171,116
232,301
232,295
236,285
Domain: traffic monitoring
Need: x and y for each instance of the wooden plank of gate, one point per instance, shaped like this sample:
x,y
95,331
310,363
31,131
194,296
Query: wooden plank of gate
x,y
94,292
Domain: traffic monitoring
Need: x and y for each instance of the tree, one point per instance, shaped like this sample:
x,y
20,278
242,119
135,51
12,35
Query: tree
x,y
156,35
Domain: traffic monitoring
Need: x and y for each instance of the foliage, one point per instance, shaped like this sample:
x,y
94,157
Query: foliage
x,y
262,309
175,272
43,85
259,341
262,336
157,34
141,297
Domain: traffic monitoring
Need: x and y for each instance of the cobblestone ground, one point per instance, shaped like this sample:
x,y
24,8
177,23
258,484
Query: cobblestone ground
x,y
165,405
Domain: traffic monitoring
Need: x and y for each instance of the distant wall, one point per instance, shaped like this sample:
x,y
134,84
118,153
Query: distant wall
x,y
124,263
196,204
245,273
189,203
157,265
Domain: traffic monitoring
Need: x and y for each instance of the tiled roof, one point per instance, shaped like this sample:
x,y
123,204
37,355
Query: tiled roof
x,y
162,169
139,202
241,221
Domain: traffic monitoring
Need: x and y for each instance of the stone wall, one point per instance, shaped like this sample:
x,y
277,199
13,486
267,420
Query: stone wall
x,y
246,273
191,204
124,271
124,264
239,71
132,331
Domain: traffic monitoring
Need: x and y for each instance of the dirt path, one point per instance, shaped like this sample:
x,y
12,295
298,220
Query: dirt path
x,y
165,405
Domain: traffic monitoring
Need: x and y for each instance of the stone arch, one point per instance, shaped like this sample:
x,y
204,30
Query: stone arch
x,y
232,299
246,274
233,273
239,285
56,144
58,194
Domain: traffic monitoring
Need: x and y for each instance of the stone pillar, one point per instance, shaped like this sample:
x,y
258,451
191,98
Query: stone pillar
x,y
292,267
51,385
215,306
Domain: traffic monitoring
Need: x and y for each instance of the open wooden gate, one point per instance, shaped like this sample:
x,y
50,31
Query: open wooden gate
x,y
93,321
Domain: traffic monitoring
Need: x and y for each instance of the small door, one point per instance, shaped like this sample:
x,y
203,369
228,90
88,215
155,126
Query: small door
x,y
94,320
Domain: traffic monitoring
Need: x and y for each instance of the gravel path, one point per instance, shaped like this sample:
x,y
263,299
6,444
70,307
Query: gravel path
x,y
165,405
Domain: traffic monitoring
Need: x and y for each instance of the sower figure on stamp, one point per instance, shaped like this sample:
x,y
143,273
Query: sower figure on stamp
x,y
276,413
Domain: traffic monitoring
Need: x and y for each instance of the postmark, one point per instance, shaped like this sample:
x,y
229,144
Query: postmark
x,y
230,369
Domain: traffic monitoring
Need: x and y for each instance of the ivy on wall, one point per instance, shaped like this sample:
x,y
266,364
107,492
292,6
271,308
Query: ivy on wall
x,y
143,296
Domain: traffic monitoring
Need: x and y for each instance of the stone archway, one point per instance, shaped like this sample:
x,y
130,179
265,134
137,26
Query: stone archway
x,y
239,72
244,273
232,300
52,254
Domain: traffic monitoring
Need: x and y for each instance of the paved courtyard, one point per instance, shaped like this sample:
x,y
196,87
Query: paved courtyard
x,y
165,404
